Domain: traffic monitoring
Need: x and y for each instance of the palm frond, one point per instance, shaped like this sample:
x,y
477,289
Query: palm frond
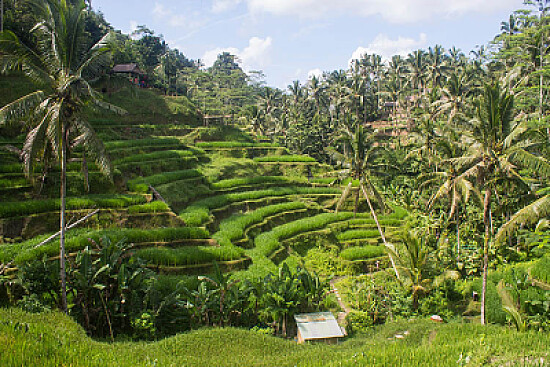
x,y
538,164
345,194
529,215
21,107
91,142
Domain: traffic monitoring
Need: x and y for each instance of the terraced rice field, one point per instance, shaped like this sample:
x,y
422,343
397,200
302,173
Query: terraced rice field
x,y
185,203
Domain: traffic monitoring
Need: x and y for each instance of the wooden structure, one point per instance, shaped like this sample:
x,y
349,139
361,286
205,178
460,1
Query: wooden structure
x,y
318,326
132,70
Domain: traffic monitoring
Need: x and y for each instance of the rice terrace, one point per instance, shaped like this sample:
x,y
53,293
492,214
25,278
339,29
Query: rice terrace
x,y
177,189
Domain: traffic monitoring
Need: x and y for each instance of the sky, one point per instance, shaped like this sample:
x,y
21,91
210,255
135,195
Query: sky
x,y
294,39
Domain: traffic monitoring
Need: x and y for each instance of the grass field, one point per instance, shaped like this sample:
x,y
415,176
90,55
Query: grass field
x,y
52,339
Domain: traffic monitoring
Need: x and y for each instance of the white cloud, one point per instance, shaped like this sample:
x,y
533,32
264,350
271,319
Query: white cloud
x,y
386,47
315,72
220,6
255,56
398,11
161,13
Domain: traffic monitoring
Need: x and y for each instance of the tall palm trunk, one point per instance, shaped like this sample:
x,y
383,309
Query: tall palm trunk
x,y
62,272
487,223
375,217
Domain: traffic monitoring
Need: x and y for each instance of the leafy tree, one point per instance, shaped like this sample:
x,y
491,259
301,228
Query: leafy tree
x,y
59,62
500,145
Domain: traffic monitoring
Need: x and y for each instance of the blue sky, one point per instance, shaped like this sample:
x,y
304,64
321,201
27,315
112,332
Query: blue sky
x,y
291,39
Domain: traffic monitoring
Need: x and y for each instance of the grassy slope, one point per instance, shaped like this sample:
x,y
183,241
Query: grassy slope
x,y
53,340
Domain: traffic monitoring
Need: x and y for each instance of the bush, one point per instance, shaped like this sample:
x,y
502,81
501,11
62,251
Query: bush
x,y
363,252
541,270
358,321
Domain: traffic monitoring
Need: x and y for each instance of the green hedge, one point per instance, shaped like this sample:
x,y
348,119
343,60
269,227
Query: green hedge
x,y
152,207
141,184
362,252
21,208
541,270
233,228
233,144
189,255
285,158
199,212
235,182
358,234
78,240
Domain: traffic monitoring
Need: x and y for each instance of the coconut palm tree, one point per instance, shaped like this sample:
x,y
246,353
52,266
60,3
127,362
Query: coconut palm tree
x,y
418,69
360,162
499,146
437,65
454,97
59,62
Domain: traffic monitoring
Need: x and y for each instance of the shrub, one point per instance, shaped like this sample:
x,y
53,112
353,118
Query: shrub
x,y
363,252
541,270
358,321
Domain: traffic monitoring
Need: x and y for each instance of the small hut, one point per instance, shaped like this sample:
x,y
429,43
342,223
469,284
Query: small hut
x,y
136,75
318,326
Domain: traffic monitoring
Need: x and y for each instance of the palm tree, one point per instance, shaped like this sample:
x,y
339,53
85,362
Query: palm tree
x,y
360,162
437,65
454,97
417,71
499,146
412,259
59,62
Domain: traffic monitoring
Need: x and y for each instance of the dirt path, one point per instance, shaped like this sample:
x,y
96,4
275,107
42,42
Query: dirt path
x,y
341,315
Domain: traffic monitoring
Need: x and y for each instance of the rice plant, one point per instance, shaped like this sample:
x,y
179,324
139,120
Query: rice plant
x,y
362,252
141,184
286,159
